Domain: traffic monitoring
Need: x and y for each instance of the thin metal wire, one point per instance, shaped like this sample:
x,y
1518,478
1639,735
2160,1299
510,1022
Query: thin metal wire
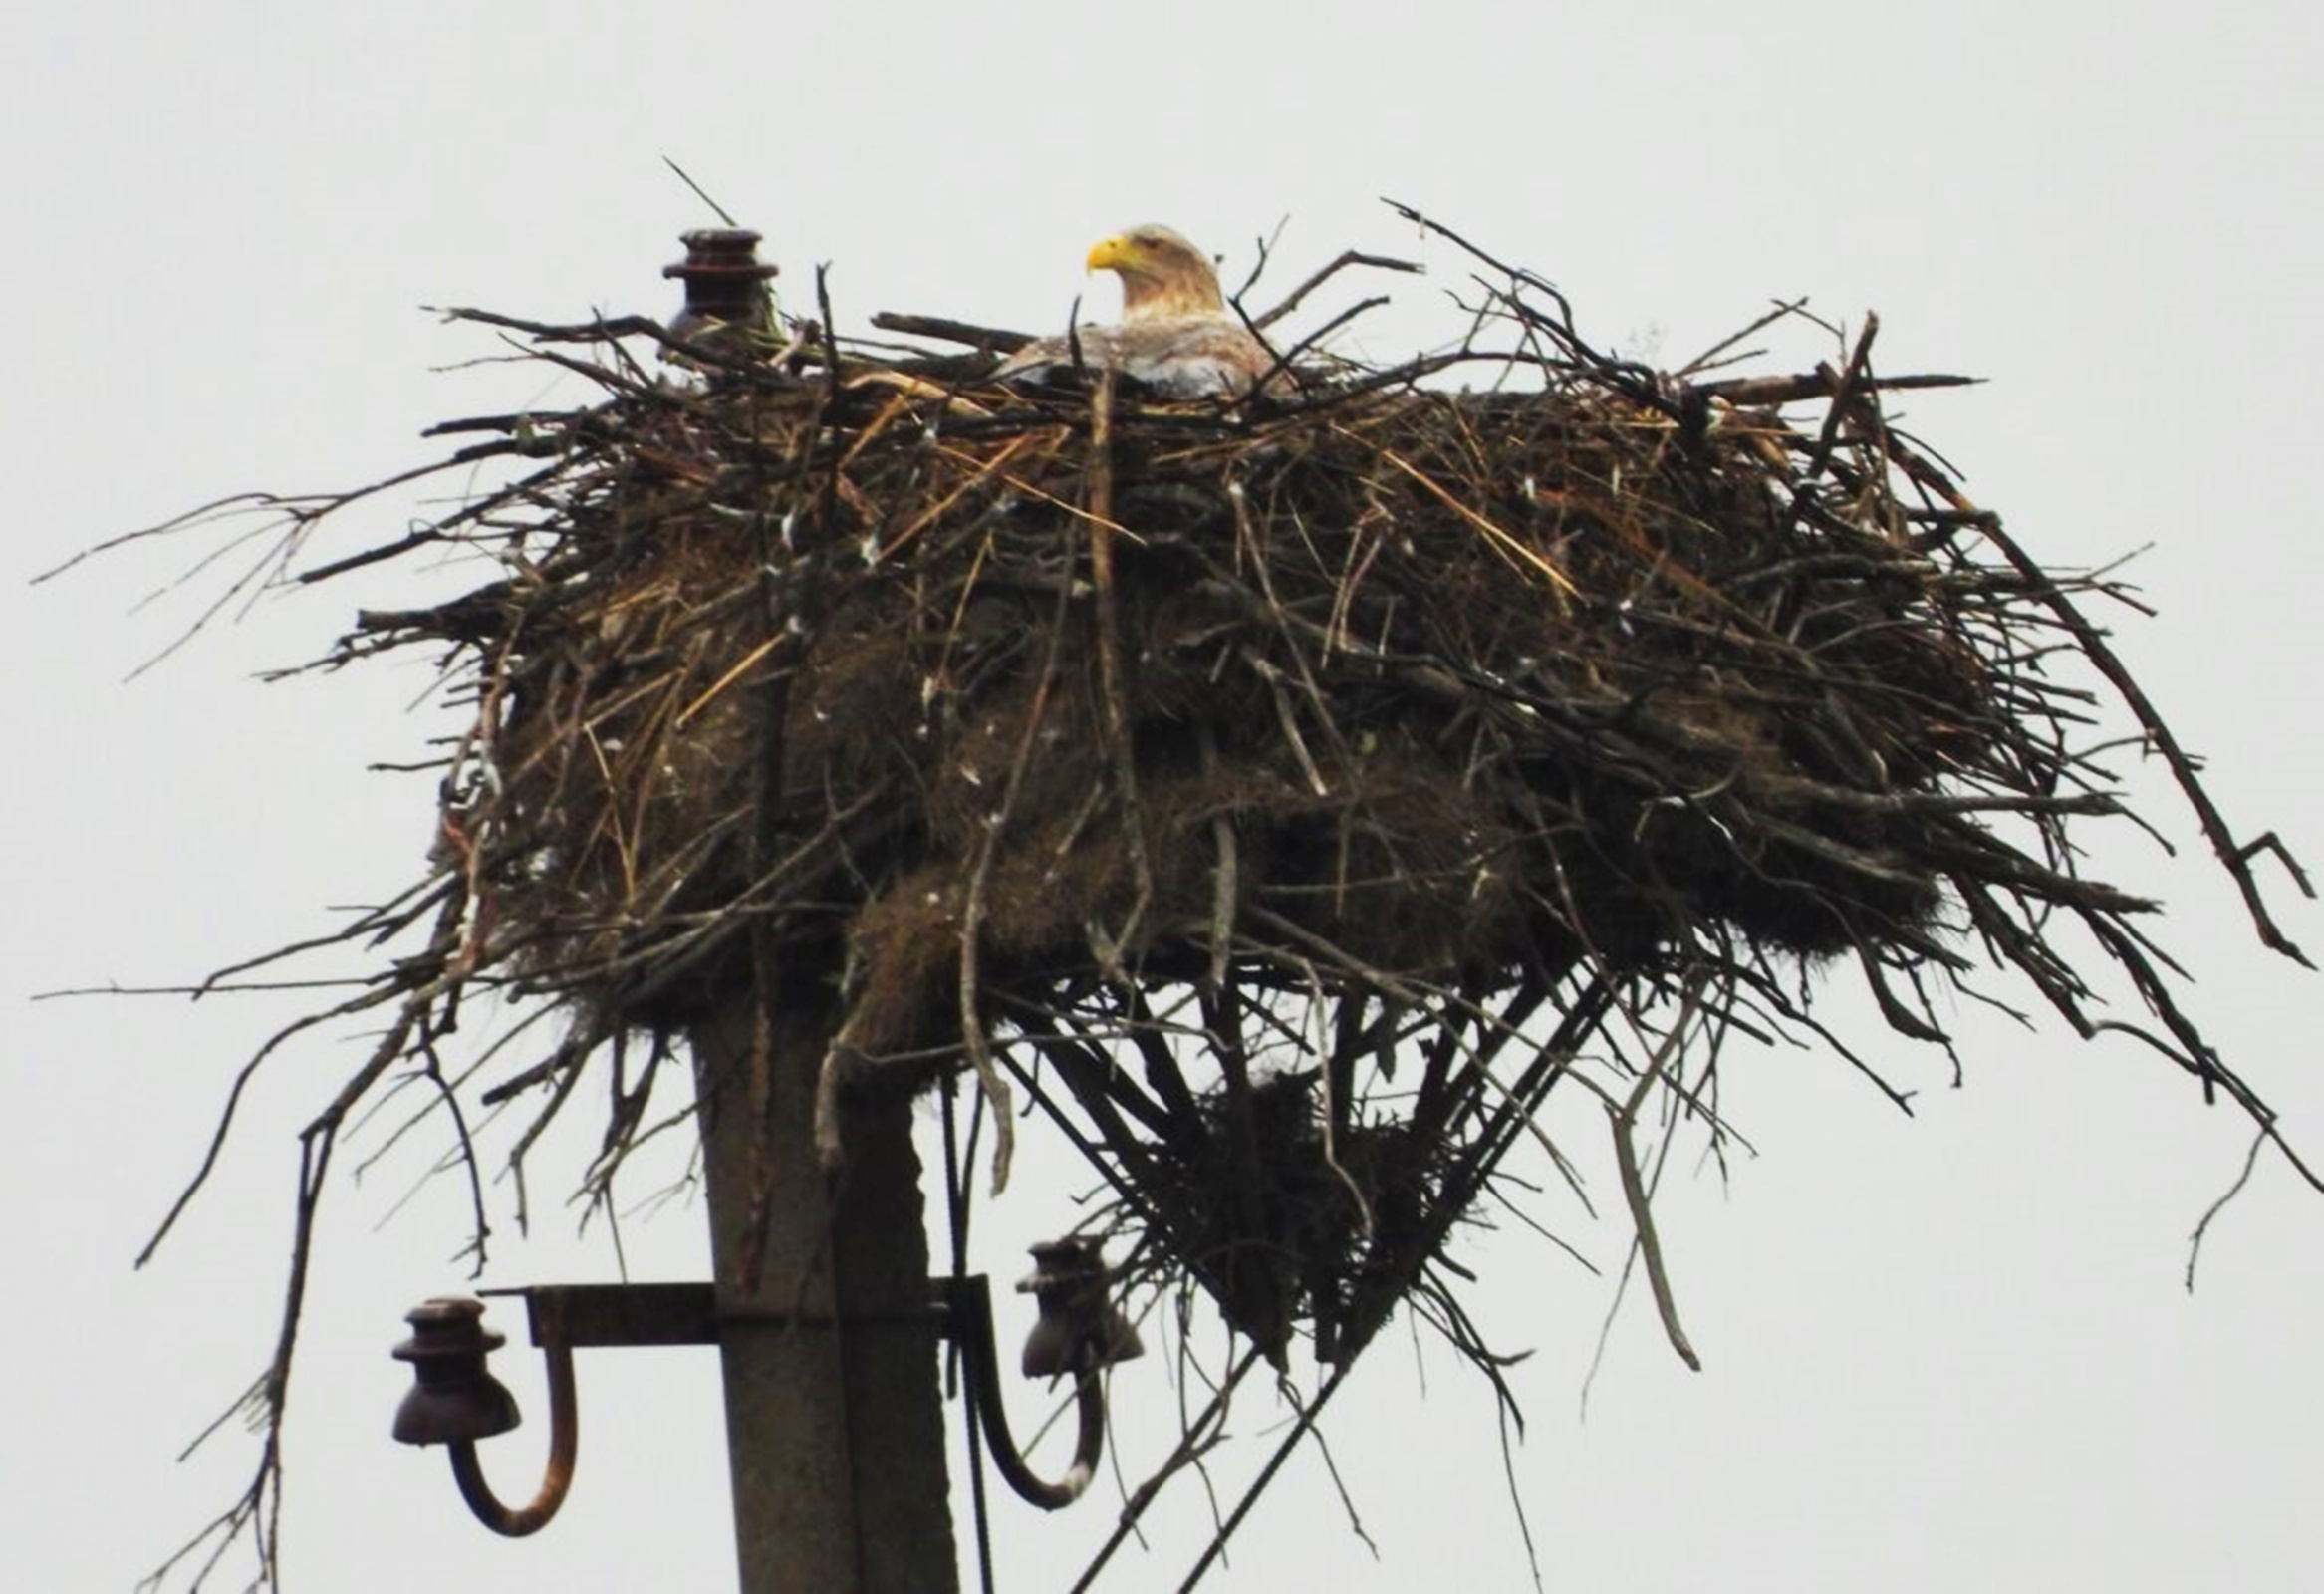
x,y
957,1208
1198,1435
1307,1418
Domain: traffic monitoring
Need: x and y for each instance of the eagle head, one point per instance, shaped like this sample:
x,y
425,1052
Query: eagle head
x,y
1163,274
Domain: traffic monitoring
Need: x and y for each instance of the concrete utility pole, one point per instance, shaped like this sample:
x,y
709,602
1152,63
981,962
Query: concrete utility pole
x,y
834,1412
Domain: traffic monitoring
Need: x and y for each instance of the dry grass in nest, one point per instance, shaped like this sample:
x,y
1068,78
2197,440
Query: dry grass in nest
x,y
1477,684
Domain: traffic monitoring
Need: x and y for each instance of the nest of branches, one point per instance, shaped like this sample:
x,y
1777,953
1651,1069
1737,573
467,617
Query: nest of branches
x,y
1244,780
1285,792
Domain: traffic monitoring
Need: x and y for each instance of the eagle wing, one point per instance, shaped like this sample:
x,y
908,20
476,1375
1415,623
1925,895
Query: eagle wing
x,y
1177,356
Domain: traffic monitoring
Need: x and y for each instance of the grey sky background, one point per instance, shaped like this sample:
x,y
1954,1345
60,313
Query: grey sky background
x,y
1940,1354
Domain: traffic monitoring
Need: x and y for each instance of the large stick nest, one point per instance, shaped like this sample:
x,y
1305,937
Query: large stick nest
x,y
1477,685
1358,719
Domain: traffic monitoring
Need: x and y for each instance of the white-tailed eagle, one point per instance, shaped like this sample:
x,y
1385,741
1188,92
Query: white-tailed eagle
x,y
1177,335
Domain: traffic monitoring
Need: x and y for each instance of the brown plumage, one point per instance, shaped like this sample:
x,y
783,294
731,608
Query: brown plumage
x,y
1177,334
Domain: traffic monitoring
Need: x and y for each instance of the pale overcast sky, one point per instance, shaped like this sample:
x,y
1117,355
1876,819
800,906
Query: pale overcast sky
x,y
1944,1353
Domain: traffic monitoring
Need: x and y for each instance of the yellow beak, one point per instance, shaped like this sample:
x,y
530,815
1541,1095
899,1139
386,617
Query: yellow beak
x,y
1112,254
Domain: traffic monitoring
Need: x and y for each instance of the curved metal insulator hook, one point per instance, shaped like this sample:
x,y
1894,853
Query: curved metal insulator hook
x,y
556,1477
968,1321
454,1401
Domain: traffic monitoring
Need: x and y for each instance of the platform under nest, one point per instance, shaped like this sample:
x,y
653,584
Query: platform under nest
x,y
1283,792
